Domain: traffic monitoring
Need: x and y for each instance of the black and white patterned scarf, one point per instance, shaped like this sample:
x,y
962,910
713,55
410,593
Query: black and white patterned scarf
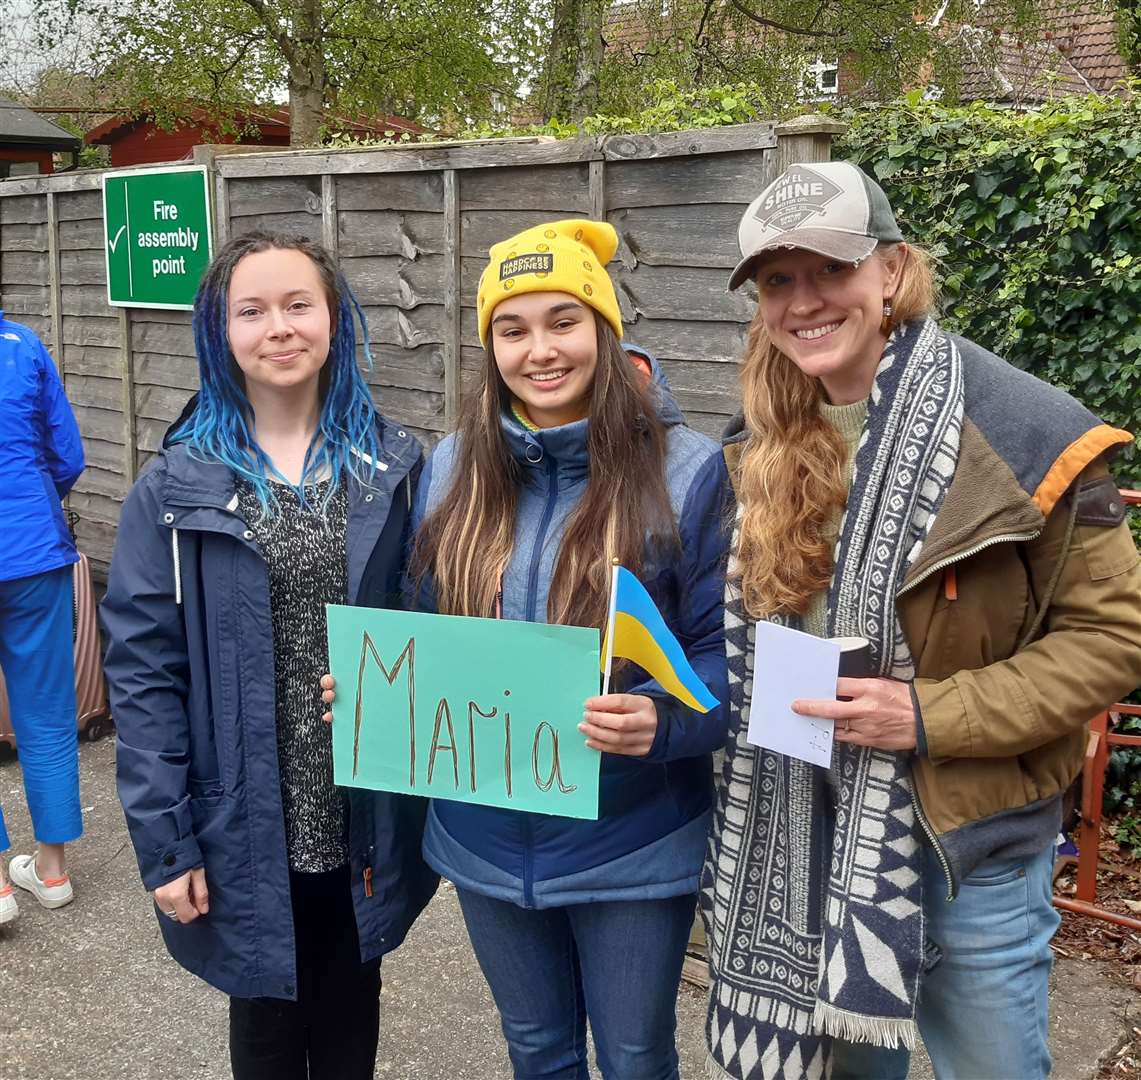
x,y
811,891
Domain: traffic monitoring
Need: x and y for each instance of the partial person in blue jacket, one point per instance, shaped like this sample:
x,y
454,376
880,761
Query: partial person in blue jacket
x,y
41,457
564,459
280,490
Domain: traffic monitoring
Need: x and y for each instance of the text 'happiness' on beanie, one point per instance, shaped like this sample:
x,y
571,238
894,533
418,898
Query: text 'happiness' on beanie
x,y
560,256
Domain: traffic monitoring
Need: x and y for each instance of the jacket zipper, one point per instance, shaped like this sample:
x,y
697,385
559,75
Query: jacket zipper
x,y
530,615
944,862
368,881
942,564
537,550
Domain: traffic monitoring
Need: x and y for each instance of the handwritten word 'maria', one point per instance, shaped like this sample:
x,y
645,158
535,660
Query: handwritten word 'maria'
x,y
444,739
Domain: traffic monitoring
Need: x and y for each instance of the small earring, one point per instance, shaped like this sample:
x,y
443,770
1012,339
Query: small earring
x,y
886,322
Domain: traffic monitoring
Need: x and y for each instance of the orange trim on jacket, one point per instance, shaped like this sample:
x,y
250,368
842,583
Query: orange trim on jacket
x,y
1083,450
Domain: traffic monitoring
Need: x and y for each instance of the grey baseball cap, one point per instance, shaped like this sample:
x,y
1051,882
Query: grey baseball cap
x,y
832,208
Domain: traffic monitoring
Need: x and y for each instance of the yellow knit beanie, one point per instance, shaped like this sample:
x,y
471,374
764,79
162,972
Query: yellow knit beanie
x,y
560,256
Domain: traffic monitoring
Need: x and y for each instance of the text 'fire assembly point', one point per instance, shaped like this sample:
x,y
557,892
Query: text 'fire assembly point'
x,y
156,235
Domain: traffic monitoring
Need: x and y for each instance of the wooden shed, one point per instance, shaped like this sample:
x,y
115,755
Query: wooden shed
x,y
137,138
28,141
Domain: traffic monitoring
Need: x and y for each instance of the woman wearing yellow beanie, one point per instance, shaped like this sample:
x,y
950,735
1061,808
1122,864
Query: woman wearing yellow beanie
x,y
564,458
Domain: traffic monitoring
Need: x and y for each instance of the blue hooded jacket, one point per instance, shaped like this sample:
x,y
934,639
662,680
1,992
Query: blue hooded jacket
x,y
41,457
654,811
190,669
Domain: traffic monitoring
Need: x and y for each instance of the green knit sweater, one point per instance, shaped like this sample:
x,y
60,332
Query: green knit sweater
x,y
848,420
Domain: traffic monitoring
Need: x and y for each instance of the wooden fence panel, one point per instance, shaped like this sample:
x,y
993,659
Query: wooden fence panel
x,y
24,284
411,228
289,204
91,359
389,233
677,219
552,189
164,366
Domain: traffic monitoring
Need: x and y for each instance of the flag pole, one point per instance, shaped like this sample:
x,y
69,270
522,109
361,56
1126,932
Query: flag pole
x,y
610,624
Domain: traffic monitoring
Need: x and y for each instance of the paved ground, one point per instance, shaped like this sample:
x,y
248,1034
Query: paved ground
x,y
88,993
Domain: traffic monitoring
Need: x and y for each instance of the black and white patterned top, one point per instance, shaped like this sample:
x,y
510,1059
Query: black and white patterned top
x,y
305,555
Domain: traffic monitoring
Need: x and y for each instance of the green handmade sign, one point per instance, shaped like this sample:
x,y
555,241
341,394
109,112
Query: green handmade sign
x,y
156,240
480,710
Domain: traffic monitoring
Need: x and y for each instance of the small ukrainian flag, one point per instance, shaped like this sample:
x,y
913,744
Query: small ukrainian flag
x,y
637,631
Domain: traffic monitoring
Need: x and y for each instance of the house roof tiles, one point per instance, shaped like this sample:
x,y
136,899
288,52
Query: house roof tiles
x,y
1085,33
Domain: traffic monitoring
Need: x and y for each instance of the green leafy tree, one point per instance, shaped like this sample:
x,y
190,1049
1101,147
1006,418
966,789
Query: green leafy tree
x,y
438,61
884,45
573,67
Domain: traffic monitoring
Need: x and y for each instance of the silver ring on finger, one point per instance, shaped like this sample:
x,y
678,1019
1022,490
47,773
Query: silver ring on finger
x,y
172,914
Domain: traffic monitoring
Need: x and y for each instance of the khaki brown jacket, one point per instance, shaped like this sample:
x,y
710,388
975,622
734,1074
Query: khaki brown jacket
x,y
1005,690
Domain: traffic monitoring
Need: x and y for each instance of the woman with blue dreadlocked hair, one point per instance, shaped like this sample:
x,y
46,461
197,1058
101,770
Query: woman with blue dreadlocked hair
x,y
278,491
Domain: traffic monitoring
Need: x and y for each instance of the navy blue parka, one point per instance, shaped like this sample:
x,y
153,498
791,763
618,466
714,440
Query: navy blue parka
x,y
190,668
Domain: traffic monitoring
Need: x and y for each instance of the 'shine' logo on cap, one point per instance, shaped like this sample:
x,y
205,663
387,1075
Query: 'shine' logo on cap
x,y
801,193
532,263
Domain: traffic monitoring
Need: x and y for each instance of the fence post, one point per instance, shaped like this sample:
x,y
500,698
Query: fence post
x,y
127,373
806,138
207,155
329,213
598,189
453,324
55,291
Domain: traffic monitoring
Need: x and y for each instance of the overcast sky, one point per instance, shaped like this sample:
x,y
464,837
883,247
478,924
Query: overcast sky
x,y
20,55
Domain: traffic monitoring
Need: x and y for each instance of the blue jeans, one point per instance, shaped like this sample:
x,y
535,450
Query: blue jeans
x,y
983,1011
37,656
617,963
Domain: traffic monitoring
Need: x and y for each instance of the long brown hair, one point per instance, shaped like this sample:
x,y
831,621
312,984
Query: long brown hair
x,y
790,480
466,542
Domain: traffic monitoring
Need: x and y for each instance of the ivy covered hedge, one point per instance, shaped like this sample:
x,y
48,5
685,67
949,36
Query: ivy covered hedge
x,y
1035,219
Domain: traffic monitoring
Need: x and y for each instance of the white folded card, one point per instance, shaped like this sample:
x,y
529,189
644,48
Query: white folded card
x,y
787,665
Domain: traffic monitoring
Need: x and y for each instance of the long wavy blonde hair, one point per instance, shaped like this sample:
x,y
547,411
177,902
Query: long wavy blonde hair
x,y
790,479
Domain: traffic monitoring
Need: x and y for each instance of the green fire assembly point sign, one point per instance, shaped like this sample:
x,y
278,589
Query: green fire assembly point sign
x,y
156,235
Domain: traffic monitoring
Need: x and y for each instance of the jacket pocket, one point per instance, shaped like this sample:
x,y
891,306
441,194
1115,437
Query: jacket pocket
x,y
977,630
1107,551
207,813
204,789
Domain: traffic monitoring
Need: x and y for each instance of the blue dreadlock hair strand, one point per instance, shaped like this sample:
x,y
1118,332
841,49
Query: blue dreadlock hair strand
x,y
221,426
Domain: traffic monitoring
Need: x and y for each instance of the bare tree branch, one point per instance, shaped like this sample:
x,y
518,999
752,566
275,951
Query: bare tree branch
x,y
800,31
281,39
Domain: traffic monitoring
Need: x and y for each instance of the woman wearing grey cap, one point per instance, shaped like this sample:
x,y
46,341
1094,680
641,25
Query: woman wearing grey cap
x,y
898,483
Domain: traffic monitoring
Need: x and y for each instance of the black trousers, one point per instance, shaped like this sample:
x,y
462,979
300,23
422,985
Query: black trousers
x,y
330,1031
